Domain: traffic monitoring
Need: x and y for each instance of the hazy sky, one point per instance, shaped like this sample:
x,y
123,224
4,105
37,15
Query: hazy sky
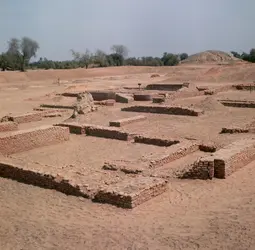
x,y
146,27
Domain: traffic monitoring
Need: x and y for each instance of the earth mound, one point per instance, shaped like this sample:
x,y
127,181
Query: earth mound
x,y
212,57
210,104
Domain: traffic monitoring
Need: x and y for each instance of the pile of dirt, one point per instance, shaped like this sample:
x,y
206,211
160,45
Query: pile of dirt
x,y
210,104
212,57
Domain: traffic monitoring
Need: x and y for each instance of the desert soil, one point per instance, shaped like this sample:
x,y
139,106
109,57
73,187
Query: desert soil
x,y
192,214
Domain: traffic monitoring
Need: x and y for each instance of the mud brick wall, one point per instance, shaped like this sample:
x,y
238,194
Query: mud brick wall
x,y
164,110
49,111
29,139
74,128
122,98
102,95
238,104
105,102
234,130
155,141
8,126
39,178
202,169
233,157
248,87
132,192
169,87
175,152
125,121
107,132
210,147
56,106
24,118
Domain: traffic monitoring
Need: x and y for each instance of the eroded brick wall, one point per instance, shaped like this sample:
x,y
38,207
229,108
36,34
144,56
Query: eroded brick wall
x,y
8,126
107,132
29,139
125,121
165,110
156,141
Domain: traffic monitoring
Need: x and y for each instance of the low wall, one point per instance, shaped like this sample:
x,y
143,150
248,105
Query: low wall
x,y
174,152
122,98
210,147
143,97
24,118
234,130
202,169
132,192
74,128
33,138
40,178
102,95
57,106
168,87
125,121
247,87
105,102
156,141
169,110
232,157
238,104
107,132
8,126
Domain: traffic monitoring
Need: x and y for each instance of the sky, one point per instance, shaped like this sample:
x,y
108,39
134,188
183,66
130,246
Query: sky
x,y
146,27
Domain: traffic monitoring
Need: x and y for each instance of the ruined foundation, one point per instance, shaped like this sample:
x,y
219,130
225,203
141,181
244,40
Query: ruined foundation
x,y
232,157
26,173
168,87
24,118
122,98
24,140
169,110
8,126
125,121
107,132
156,141
238,104
132,192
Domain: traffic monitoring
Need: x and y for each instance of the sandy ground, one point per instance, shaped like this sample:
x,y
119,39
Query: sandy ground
x,y
216,214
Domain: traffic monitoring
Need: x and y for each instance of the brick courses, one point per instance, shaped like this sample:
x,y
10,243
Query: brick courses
x,y
24,140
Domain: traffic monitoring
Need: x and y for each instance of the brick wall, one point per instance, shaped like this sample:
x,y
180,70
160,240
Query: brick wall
x,y
125,121
41,178
122,98
165,110
24,118
169,87
174,152
202,169
156,141
107,132
8,126
103,95
132,191
29,139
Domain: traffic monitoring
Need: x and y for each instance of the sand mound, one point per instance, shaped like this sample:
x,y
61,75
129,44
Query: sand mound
x,y
210,104
212,56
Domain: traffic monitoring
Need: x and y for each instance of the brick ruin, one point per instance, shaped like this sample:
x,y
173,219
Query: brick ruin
x,y
169,110
140,179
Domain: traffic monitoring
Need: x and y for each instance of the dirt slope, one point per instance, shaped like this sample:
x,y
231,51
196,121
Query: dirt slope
x,y
212,56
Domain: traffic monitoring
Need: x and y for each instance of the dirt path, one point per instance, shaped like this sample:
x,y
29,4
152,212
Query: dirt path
x,y
217,214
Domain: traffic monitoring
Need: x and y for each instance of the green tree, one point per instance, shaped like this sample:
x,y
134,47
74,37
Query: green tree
x,y
120,50
22,51
183,56
170,59
83,59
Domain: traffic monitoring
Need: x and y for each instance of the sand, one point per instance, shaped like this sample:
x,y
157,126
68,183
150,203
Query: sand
x,y
217,214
